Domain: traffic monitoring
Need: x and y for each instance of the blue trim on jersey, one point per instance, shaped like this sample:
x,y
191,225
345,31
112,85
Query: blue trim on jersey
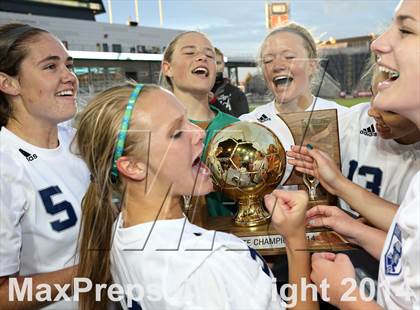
x,y
254,255
392,258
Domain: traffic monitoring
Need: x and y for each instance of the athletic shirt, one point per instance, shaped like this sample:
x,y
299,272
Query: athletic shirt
x,y
267,113
40,197
399,269
382,166
182,266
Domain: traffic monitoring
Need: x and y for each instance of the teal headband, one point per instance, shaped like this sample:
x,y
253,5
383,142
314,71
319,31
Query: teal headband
x,y
119,149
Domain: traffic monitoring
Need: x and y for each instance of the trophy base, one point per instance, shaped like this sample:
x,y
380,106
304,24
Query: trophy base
x,y
251,212
313,203
267,241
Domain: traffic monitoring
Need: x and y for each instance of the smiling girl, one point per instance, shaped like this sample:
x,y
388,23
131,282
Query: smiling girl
x,y
380,150
288,59
397,52
41,182
189,71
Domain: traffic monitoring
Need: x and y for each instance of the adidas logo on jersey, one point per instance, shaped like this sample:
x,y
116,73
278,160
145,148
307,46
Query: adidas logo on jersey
x,y
370,131
29,157
263,118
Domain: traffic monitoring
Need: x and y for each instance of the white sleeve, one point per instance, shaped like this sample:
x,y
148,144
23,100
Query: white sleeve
x,y
399,269
228,280
409,222
12,208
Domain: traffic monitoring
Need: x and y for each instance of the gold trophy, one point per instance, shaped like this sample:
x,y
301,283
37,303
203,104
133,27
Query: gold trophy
x,y
247,161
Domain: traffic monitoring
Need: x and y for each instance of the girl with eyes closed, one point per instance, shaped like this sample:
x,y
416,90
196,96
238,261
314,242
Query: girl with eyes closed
x,y
149,159
189,71
288,60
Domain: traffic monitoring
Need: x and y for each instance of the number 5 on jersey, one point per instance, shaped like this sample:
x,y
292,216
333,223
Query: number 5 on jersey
x,y
53,209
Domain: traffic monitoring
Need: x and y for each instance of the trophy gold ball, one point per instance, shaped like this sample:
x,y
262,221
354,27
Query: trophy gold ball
x,y
247,161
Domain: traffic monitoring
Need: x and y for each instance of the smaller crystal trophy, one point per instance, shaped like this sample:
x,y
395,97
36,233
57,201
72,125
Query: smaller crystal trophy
x,y
311,183
187,202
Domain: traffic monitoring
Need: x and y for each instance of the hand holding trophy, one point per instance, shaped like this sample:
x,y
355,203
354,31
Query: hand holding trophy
x,y
315,165
248,161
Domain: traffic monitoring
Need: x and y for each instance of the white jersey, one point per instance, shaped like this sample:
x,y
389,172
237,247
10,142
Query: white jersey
x,y
40,197
399,269
178,265
384,167
267,115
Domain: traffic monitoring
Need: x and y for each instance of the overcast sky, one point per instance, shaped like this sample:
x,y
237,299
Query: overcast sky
x,y
238,26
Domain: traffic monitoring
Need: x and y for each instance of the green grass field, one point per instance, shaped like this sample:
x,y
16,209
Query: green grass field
x,y
349,102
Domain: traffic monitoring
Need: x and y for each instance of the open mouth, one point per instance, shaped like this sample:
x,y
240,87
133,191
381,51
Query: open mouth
x,y
197,161
393,75
282,80
200,167
201,71
65,93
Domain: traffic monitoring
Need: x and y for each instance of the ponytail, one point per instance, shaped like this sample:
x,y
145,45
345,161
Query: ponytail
x,y
95,143
99,214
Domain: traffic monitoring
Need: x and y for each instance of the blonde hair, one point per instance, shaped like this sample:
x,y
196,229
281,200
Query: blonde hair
x,y
299,30
164,80
218,52
96,142
308,43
